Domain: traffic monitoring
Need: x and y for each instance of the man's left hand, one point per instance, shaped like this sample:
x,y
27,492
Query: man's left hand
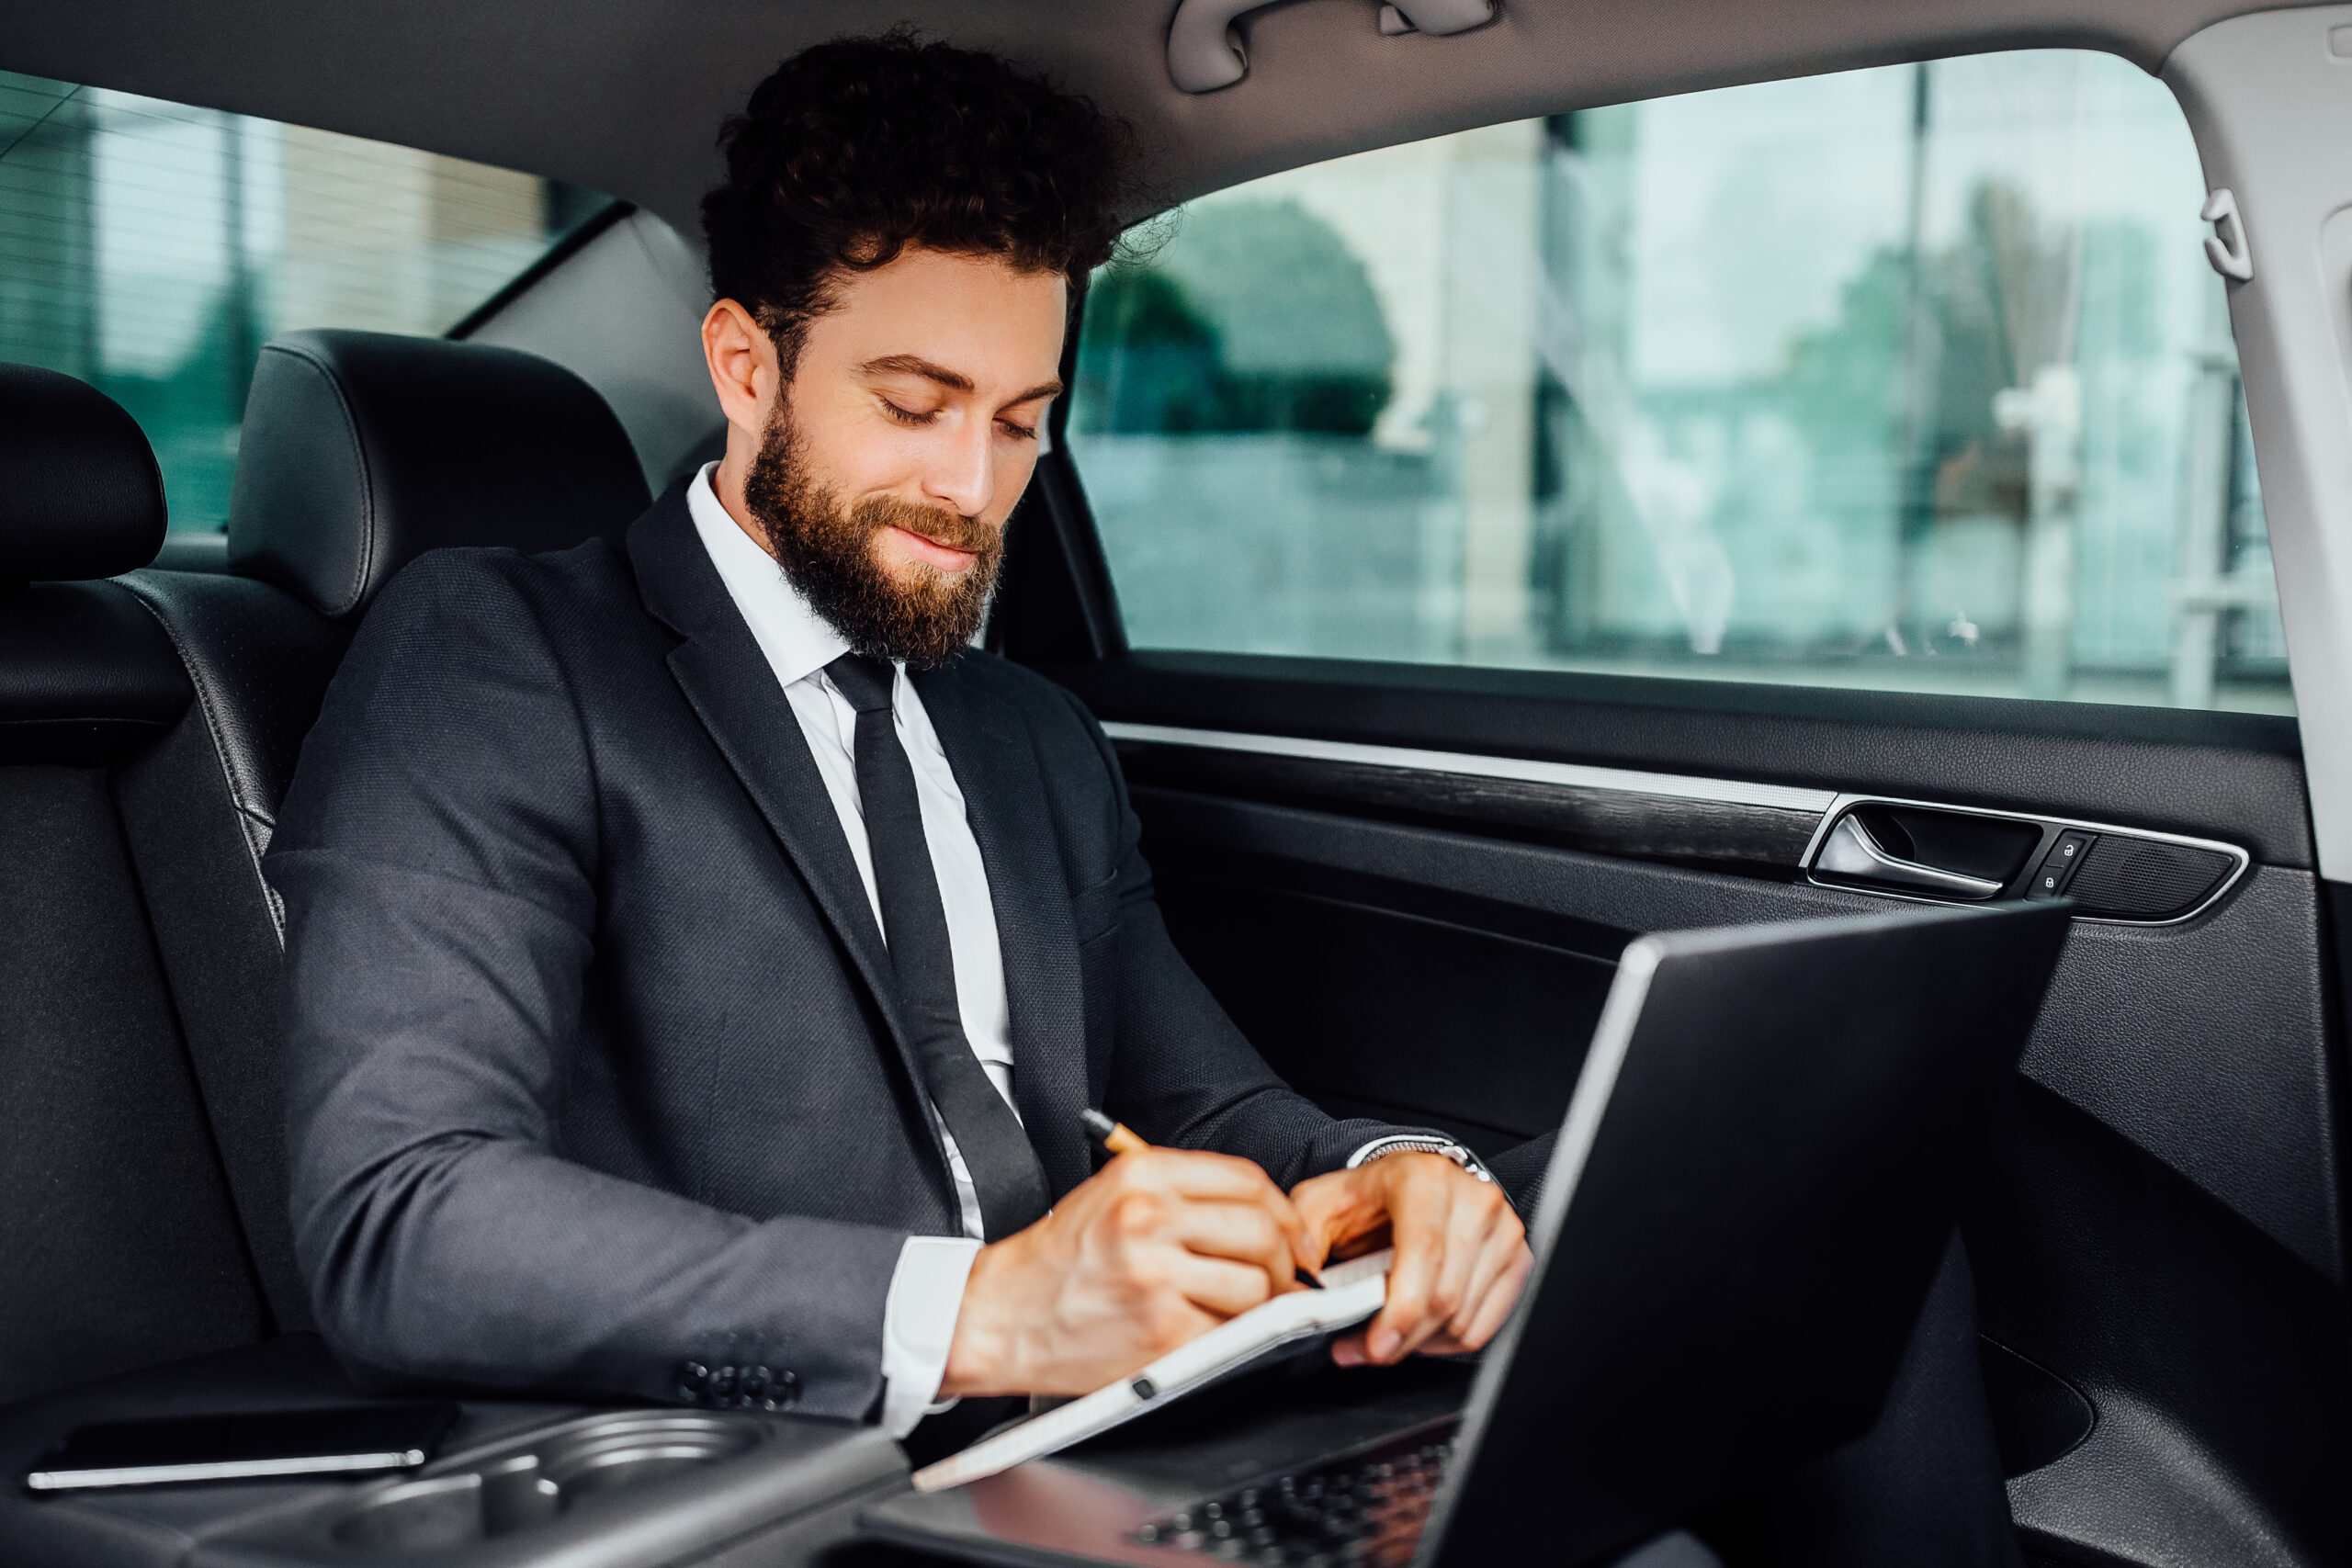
x,y
1461,1259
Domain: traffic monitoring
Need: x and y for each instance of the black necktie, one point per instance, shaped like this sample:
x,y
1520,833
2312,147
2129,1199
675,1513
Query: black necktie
x,y
1005,1172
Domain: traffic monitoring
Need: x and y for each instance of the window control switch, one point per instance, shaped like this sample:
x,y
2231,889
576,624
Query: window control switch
x,y
2058,867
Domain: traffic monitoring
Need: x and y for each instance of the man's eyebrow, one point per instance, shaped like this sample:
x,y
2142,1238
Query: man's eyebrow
x,y
915,365
954,380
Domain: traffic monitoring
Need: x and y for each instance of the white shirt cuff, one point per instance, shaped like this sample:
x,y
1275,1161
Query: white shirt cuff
x,y
919,1324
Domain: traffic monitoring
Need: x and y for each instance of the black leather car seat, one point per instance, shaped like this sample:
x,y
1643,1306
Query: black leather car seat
x,y
360,452
119,1247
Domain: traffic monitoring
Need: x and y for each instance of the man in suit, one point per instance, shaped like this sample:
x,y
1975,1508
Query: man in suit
x,y
698,957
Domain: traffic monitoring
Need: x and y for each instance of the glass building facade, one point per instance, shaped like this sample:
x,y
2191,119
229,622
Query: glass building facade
x,y
151,249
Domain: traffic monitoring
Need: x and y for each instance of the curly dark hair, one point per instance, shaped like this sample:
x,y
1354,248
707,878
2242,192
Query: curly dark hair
x,y
852,150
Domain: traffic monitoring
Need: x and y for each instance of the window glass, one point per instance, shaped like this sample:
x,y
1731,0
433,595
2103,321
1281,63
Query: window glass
x,y
1913,378
151,249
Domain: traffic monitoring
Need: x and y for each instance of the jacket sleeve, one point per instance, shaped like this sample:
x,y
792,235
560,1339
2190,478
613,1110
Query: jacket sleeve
x,y
1181,1074
437,856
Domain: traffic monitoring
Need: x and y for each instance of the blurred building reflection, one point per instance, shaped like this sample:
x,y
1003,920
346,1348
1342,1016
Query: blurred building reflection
x,y
151,248
1912,378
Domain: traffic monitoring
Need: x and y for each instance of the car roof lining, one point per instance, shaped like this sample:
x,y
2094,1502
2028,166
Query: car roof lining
x,y
624,96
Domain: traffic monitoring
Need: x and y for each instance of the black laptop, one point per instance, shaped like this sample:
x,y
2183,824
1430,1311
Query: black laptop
x,y
1753,1187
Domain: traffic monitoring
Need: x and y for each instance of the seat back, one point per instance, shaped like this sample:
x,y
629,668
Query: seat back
x,y
119,1245
360,452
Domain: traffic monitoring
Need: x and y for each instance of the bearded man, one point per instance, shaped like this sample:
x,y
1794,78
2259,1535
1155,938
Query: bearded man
x,y
699,956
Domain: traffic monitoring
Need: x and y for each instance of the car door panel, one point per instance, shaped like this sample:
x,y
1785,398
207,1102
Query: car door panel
x,y
2162,1183
2157,1230
2234,776
2212,1358
2204,1042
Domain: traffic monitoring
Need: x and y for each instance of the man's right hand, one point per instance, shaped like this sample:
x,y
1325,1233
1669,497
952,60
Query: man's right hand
x,y
1155,1248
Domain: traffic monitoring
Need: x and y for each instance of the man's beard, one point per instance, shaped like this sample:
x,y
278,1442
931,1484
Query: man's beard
x,y
829,554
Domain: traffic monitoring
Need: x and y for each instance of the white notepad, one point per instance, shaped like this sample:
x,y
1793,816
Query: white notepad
x,y
1352,1292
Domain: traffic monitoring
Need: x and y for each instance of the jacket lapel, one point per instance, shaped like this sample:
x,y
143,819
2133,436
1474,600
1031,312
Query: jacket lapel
x,y
1004,798
727,679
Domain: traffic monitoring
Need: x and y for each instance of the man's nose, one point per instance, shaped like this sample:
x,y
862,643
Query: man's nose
x,y
963,472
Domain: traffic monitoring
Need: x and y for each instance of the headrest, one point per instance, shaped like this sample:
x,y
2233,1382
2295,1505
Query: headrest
x,y
363,450
80,495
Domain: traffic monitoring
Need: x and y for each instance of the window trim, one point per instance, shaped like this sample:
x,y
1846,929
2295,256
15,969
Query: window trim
x,y
2261,92
2208,773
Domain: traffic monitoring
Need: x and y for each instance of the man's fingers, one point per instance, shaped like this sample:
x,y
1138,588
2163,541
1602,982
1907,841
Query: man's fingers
x,y
1496,1305
1320,1205
1218,1285
1457,1247
1494,1308
1343,1219
1463,1240
1191,1173
1502,1244
1501,1247
1223,1180
1244,1233
1440,1232
1404,1322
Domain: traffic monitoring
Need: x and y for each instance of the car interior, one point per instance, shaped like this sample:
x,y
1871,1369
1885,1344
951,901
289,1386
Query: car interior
x,y
1781,461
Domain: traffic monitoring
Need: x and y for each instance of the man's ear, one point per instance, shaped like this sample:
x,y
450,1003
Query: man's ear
x,y
744,367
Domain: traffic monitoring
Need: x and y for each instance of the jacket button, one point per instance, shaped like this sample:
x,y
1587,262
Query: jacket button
x,y
783,1391
755,1383
693,1378
722,1387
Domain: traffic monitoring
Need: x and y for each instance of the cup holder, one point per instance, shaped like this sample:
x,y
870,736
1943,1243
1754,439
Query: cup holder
x,y
521,1485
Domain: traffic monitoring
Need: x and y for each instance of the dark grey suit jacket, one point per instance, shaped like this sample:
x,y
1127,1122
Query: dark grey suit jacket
x,y
592,1067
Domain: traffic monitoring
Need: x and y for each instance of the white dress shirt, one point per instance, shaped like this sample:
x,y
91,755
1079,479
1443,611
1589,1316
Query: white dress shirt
x,y
927,1289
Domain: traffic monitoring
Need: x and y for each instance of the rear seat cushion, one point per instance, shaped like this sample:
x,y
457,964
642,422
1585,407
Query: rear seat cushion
x,y
119,1247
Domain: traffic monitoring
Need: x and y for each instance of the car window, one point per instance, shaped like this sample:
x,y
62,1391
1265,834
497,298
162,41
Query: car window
x,y
1913,378
150,249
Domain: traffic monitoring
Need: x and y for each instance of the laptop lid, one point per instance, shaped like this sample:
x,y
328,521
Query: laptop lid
x,y
1759,1170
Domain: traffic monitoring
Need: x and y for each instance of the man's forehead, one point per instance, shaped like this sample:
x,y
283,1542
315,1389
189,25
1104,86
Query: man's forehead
x,y
963,324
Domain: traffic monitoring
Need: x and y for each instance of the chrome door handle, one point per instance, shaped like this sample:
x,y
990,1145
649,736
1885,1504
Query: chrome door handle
x,y
1850,850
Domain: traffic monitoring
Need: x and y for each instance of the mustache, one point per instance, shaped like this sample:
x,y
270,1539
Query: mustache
x,y
938,524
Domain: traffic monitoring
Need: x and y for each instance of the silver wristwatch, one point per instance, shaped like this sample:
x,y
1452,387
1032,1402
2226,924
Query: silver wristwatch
x,y
1414,1143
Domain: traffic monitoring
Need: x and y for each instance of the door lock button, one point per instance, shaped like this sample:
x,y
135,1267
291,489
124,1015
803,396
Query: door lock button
x,y
2058,867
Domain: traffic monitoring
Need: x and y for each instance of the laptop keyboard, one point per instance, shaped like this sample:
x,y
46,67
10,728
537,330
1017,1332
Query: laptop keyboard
x,y
1363,1513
